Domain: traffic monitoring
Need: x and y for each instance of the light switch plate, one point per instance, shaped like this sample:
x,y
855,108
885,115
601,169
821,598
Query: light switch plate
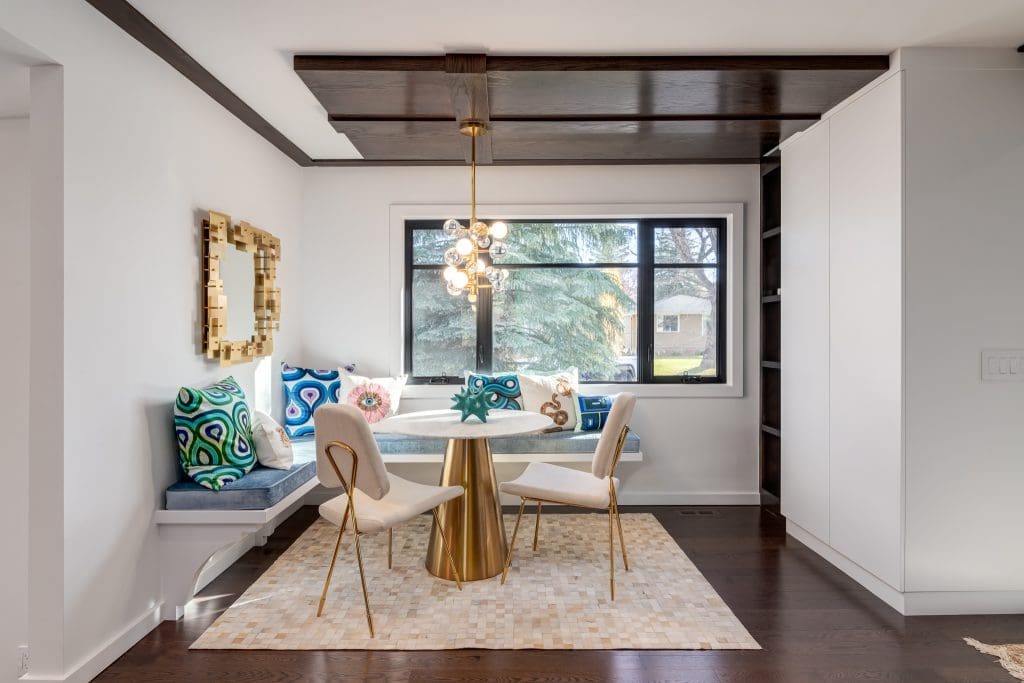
x,y
1002,365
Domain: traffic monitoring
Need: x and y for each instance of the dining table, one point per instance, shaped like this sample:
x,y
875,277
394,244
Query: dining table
x,y
473,522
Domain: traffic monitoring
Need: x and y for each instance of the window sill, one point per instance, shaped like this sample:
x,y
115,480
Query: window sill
x,y
435,391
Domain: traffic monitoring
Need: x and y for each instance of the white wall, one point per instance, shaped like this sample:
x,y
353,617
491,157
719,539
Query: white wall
x,y
965,231
14,346
696,449
145,153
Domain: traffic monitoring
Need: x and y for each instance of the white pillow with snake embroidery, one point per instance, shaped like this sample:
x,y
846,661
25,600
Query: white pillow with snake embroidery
x,y
273,447
552,395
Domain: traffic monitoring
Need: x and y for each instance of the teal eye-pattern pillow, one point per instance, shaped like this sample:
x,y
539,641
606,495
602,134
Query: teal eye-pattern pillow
x,y
214,432
504,392
593,412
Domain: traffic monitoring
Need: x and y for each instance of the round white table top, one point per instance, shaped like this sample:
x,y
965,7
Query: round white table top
x,y
447,424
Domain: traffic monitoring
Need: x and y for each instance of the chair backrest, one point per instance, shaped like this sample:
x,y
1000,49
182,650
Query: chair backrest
x,y
345,423
608,445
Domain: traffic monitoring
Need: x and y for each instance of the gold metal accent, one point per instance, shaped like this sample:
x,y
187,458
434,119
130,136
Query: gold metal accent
x,y
536,528
447,548
613,519
351,507
218,234
473,521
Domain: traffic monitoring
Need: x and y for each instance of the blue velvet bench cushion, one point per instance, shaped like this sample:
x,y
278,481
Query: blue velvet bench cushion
x,y
260,489
550,442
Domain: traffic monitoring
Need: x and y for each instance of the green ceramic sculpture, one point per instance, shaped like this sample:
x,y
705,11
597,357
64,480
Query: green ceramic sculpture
x,y
471,403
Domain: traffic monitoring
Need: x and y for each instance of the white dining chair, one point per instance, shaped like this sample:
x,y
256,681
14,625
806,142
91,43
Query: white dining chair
x,y
347,457
543,482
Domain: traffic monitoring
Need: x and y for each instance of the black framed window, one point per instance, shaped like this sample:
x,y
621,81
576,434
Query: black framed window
x,y
623,300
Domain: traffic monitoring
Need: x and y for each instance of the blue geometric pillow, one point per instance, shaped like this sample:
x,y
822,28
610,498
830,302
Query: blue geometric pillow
x,y
305,390
593,412
503,390
214,433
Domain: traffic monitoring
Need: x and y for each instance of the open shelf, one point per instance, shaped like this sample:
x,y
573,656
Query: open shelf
x,y
771,332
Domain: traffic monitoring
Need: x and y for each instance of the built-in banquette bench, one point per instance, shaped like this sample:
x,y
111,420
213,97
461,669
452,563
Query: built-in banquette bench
x,y
198,522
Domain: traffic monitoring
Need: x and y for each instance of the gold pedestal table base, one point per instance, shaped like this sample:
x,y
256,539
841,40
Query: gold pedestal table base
x,y
472,522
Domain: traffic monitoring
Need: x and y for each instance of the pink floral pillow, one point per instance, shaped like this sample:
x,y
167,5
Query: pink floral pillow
x,y
376,397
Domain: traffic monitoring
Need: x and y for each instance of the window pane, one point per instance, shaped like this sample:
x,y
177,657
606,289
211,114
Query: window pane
x,y
571,242
686,245
443,328
550,319
689,295
428,246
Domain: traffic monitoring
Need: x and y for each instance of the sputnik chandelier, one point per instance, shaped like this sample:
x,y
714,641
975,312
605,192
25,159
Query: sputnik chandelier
x,y
467,267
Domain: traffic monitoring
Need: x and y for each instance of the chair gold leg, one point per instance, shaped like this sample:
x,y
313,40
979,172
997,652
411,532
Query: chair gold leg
x,y
536,528
391,535
622,539
512,543
447,549
362,580
611,552
334,558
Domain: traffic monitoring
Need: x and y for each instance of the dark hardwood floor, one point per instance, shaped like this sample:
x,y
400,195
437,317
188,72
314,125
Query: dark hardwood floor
x,y
813,622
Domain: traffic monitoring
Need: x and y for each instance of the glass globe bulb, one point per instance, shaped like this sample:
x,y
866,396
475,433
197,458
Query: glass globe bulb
x,y
481,265
453,290
471,298
498,285
460,279
483,241
480,228
464,246
490,272
452,257
452,227
499,230
449,273
498,251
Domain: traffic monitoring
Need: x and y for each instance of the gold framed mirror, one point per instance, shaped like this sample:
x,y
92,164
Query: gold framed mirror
x,y
240,268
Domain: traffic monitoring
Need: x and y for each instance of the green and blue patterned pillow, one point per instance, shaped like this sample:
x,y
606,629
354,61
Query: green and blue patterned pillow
x,y
592,412
504,390
214,432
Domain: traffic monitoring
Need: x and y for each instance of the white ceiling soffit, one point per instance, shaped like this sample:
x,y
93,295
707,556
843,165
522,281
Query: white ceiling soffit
x,y
249,44
15,59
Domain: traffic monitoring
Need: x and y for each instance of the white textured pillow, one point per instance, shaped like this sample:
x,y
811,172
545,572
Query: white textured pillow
x,y
376,397
273,447
552,395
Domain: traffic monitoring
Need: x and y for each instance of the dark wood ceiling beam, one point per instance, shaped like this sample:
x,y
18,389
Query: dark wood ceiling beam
x,y
534,162
467,84
596,118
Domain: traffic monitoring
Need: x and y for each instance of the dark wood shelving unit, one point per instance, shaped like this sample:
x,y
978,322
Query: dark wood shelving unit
x,y
771,323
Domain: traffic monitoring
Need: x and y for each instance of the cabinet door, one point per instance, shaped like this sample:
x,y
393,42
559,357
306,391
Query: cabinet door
x,y
805,331
865,365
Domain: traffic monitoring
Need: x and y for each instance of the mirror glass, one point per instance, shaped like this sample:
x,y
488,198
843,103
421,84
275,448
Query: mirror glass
x,y
238,274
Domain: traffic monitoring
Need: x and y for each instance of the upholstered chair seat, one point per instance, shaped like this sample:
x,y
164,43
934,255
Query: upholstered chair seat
x,y
598,488
404,501
555,484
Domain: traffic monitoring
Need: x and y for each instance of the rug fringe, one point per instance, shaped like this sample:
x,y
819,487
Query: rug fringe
x,y
1013,663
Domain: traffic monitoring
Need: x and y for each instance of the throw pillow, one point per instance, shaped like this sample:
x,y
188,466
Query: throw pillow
x,y
305,390
376,397
552,395
273,447
214,433
503,390
592,412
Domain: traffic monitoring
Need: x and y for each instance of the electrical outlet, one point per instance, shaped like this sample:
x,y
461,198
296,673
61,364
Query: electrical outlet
x,y
22,660
1003,365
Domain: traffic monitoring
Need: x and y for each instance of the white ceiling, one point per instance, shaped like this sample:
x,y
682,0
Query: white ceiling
x,y
248,44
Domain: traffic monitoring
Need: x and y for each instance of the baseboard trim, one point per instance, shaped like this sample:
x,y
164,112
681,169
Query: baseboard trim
x,y
876,586
91,667
935,603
